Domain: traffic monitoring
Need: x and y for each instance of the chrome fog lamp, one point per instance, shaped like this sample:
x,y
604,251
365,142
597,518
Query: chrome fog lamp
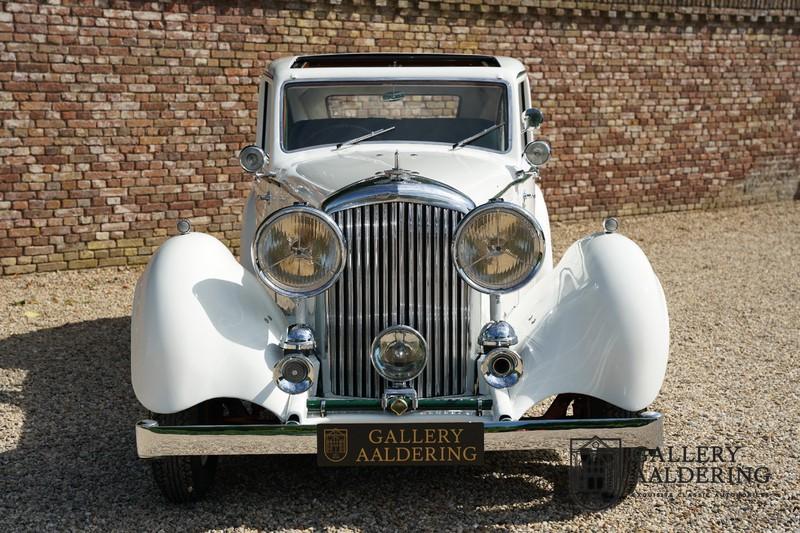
x,y
294,374
299,251
498,247
502,368
253,159
537,153
399,353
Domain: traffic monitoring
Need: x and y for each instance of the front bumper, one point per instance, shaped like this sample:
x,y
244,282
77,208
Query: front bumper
x,y
153,440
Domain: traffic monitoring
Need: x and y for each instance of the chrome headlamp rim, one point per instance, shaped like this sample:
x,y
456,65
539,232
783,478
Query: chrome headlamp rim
x,y
375,351
500,205
299,208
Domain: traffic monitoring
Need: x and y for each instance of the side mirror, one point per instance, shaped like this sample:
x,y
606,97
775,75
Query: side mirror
x,y
532,118
253,159
537,153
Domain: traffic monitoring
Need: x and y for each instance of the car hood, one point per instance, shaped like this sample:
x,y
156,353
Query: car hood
x,y
477,174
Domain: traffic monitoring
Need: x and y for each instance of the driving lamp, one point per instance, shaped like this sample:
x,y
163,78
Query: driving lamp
x,y
253,159
399,353
498,247
299,251
537,153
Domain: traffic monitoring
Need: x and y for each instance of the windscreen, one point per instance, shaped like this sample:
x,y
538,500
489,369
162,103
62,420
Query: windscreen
x,y
319,114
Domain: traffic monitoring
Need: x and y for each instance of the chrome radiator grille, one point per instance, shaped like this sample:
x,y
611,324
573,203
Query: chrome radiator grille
x,y
398,271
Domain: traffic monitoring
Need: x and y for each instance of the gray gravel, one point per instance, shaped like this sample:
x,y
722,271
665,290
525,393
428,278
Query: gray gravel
x,y
67,458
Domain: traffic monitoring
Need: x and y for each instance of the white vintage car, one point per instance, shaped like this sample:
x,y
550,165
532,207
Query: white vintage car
x,y
395,301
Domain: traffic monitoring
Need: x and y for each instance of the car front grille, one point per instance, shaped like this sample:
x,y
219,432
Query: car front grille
x,y
399,271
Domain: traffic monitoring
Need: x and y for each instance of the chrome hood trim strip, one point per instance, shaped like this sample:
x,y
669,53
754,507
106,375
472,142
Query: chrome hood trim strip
x,y
398,186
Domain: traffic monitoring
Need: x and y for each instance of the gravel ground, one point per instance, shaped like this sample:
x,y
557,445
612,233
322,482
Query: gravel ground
x,y
67,457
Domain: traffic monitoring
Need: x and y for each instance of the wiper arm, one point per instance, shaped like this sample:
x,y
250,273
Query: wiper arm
x,y
365,137
477,136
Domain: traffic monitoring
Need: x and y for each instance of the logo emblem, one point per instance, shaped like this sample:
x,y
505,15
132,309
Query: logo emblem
x,y
595,479
335,444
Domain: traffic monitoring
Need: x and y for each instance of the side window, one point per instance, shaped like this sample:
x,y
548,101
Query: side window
x,y
522,106
262,122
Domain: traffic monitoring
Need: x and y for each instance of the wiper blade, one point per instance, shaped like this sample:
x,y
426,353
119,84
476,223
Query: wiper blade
x,y
365,137
477,136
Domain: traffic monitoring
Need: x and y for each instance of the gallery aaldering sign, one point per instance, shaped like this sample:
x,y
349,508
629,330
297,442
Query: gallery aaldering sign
x,y
399,444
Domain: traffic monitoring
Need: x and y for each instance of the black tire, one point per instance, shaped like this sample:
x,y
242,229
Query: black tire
x,y
625,461
183,479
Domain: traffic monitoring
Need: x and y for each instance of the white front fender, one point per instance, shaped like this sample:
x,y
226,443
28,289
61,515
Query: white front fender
x,y
600,328
203,327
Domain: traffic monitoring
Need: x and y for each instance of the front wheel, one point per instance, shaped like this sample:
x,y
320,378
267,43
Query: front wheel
x,y
183,479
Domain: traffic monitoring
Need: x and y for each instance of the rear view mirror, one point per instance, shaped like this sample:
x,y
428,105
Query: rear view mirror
x,y
532,118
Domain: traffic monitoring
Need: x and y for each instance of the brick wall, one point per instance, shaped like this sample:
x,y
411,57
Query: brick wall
x,y
120,117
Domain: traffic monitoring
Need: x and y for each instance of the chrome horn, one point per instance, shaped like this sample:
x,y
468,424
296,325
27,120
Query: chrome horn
x,y
294,372
502,368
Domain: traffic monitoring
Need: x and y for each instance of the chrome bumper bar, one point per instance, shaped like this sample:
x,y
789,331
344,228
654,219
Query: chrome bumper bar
x,y
153,440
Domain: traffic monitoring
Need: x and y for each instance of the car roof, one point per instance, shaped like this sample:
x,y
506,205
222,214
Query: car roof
x,y
395,65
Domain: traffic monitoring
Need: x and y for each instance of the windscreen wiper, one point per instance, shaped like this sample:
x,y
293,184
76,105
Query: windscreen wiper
x,y
365,137
477,136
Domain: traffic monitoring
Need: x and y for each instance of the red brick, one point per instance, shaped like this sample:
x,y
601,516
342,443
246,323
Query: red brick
x,y
98,106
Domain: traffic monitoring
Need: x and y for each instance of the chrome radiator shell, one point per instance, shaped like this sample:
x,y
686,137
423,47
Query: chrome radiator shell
x,y
399,271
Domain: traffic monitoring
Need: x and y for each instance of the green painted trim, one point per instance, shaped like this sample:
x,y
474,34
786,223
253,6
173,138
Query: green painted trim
x,y
345,404
425,404
254,429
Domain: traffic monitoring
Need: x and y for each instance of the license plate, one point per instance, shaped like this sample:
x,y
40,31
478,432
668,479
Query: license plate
x,y
400,444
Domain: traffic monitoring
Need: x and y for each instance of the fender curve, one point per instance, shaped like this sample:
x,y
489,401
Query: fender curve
x,y
601,327
203,327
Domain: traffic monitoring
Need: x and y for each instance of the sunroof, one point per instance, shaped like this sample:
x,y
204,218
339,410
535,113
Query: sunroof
x,y
394,60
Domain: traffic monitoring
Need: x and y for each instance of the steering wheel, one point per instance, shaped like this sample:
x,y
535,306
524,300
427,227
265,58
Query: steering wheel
x,y
354,130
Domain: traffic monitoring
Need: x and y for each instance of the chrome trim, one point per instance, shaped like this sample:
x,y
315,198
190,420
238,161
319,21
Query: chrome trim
x,y
411,281
299,337
610,225
183,226
500,206
337,232
499,333
153,440
280,105
525,176
411,189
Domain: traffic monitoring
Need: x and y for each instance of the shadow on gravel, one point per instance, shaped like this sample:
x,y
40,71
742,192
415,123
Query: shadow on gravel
x,y
74,465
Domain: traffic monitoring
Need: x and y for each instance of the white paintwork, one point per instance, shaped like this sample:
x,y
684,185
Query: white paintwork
x,y
204,327
600,328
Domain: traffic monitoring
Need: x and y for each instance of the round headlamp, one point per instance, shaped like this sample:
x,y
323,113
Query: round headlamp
x,y
498,247
299,251
399,353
